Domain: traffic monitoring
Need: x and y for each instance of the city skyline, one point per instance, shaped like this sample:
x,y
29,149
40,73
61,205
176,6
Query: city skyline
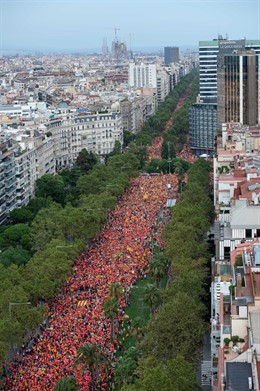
x,y
81,25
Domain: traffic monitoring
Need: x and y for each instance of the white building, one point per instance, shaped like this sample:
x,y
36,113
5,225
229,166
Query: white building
x,y
142,75
95,132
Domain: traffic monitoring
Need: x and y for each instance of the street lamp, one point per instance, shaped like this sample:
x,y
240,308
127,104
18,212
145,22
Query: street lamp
x,y
12,304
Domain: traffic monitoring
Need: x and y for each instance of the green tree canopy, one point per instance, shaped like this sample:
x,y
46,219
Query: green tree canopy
x,y
177,374
177,329
50,186
86,160
16,255
16,235
66,384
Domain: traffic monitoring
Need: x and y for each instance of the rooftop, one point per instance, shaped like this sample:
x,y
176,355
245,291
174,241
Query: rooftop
x,y
238,375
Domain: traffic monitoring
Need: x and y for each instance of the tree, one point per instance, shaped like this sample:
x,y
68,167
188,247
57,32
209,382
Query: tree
x,y
158,268
16,255
126,164
110,308
21,215
137,329
86,160
177,329
66,384
126,366
152,297
177,374
36,204
16,235
91,357
46,226
50,186
116,291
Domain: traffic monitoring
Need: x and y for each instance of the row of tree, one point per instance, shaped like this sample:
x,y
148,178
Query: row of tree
x,y
176,136
172,342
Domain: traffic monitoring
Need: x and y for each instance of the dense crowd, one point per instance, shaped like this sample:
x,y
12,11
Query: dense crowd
x,y
186,153
154,151
119,254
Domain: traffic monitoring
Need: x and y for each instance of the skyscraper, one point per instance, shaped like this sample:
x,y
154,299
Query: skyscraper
x,y
209,54
171,54
238,88
229,82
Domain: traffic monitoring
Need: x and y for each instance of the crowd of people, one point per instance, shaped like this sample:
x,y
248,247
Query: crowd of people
x,y
186,153
154,151
119,254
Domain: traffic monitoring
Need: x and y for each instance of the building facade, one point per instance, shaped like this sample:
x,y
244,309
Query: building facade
x,y
171,54
142,75
238,88
95,132
202,127
209,54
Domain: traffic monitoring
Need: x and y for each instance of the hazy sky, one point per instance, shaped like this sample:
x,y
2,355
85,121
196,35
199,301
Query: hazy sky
x,y
82,24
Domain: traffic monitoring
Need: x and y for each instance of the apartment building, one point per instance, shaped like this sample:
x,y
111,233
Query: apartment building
x,y
7,180
235,333
142,75
95,132
235,288
25,156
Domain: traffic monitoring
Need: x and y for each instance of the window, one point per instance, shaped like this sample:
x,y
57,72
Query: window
x,y
227,253
248,233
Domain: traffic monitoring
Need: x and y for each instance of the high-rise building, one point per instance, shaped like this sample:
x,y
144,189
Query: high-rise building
x,y
238,88
171,54
209,54
229,83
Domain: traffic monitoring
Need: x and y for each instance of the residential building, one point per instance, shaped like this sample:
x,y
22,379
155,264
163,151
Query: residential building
x,y
163,85
7,180
95,132
142,75
235,320
171,54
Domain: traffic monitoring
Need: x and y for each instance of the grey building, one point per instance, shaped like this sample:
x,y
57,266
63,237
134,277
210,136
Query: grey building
x,y
202,128
171,54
